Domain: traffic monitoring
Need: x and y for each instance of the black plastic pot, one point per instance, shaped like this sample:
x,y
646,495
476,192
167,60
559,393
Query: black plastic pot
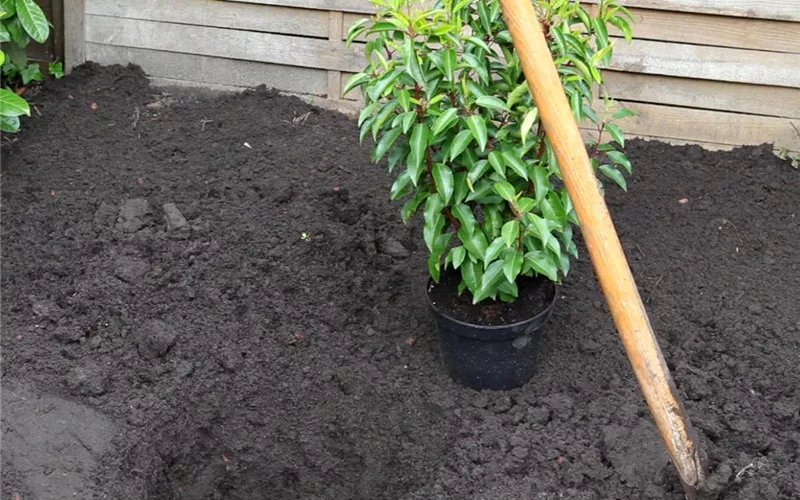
x,y
491,357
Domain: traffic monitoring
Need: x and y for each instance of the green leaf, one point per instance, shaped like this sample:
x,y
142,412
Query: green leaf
x,y
514,160
460,143
399,186
512,265
527,123
383,116
489,282
525,205
449,61
31,73
599,28
472,273
548,240
2,57
620,159
404,98
432,229
505,190
5,36
496,161
515,95
493,250
410,207
444,121
479,43
461,189
615,175
542,264
510,233
616,134
13,105
33,20
477,126
21,40
7,9
541,184
354,81
623,26
476,65
435,266
457,256
465,216
386,142
356,29
494,221
419,145
623,113
412,63
491,102
383,83
444,181
9,124
475,243
476,172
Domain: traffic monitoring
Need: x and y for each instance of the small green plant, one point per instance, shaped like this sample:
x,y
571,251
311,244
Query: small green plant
x,y
20,22
446,101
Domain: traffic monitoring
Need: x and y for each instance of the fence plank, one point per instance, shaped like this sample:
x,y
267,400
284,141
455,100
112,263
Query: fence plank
x,y
335,34
225,43
704,94
243,16
74,34
361,6
717,31
214,71
709,63
781,10
710,126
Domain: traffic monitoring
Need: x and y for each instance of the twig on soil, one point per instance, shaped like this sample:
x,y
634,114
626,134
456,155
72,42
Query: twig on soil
x,y
738,477
346,170
203,123
653,291
37,110
135,116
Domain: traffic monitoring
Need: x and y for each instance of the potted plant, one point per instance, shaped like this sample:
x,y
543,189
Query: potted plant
x,y
447,103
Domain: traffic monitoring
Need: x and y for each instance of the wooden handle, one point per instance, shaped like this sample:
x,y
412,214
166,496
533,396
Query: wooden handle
x,y
605,250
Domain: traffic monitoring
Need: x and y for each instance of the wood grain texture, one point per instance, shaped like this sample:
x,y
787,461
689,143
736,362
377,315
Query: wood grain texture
x,y
710,126
704,94
223,43
783,10
242,16
74,34
213,71
335,36
605,249
360,6
716,31
708,63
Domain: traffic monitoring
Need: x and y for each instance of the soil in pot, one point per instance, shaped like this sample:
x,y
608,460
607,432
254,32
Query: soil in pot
x,y
491,345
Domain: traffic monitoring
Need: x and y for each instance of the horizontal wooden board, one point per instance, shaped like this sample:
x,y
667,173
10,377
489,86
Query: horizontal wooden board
x,y
223,43
212,71
716,31
704,94
362,6
710,126
708,63
242,16
783,10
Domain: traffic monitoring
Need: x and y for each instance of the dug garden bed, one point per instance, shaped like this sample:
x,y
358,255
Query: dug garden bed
x,y
211,298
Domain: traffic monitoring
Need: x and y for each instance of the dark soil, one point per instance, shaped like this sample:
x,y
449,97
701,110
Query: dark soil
x,y
532,300
235,359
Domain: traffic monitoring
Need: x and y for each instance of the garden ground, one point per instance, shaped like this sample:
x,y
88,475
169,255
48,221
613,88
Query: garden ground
x,y
212,298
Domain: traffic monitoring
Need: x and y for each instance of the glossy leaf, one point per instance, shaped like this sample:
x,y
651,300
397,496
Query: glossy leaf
x,y
510,233
478,128
443,177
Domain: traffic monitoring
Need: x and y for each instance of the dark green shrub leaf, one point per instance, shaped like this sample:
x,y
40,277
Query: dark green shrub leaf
x,y
9,124
386,142
615,175
418,145
510,233
457,255
512,265
460,143
505,190
497,163
620,159
444,121
443,177
33,20
513,160
491,102
542,264
477,126
616,134
13,105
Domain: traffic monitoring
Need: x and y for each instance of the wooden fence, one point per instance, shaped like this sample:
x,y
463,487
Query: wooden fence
x,y
715,72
